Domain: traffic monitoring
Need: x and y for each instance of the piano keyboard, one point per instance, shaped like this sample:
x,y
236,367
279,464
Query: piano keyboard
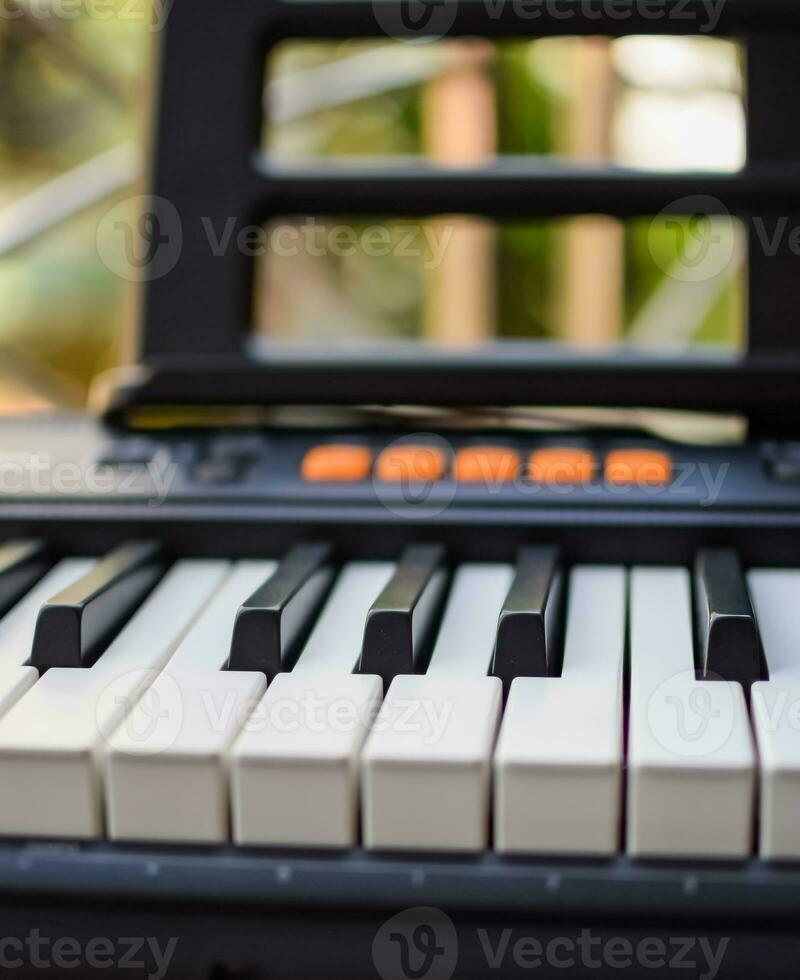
x,y
402,705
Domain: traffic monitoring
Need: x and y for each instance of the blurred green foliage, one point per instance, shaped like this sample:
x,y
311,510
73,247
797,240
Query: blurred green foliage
x,y
72,88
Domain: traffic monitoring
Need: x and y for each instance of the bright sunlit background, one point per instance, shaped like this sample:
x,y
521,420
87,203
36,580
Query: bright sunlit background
x,y
75,100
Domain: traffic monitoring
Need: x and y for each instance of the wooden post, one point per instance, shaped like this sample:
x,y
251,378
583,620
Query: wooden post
x,y
594,246
460,130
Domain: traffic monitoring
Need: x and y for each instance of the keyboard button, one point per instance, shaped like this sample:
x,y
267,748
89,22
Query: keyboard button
x,y
306,734
689,740
488,465
337,638
728,640
171,785
52,740
774,708
21,564
558,763
426,764
641,467
411,464
400,622
528,632
136,454
294,767
467,633
269,624
336,463
562,465
207,646
14,682
17,626
426,780
183,726
228,459
783,461
73,626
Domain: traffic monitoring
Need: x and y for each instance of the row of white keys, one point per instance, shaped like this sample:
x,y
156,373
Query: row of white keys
x,y
17,627
427,762
558,762
294,769
690,752
165,766
775,708
53,738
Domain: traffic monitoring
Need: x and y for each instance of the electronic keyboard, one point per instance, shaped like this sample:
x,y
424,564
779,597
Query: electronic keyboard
x,y
356,665
264,690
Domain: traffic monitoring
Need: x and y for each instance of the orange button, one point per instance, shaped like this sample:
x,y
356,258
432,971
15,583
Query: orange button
x,y
410,464
337,462
644,466
486,464
562,465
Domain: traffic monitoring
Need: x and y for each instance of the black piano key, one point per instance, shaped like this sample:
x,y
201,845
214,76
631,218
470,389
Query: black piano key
x,y
75,625
529,628
269,626
400,623
21,564
728,643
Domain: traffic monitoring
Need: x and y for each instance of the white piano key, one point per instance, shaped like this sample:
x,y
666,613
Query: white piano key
x,y
174,742
776,711
52,739
208,644
426,764
335,642
167,780
17,626
294,769
303,740
14,682
558,762
469,624
690,752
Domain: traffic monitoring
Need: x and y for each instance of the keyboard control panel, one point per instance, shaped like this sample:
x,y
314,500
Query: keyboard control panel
x,y
418,473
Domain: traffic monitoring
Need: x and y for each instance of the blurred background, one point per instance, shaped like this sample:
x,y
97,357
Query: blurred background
x,y
73,115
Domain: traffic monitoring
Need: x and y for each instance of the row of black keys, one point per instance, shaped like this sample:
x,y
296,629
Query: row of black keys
x,y
74,626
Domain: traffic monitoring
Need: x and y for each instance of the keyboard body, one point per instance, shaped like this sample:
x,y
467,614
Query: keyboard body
x,y
242,912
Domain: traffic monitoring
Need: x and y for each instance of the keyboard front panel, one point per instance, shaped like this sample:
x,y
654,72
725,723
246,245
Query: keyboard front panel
x,y
577,634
